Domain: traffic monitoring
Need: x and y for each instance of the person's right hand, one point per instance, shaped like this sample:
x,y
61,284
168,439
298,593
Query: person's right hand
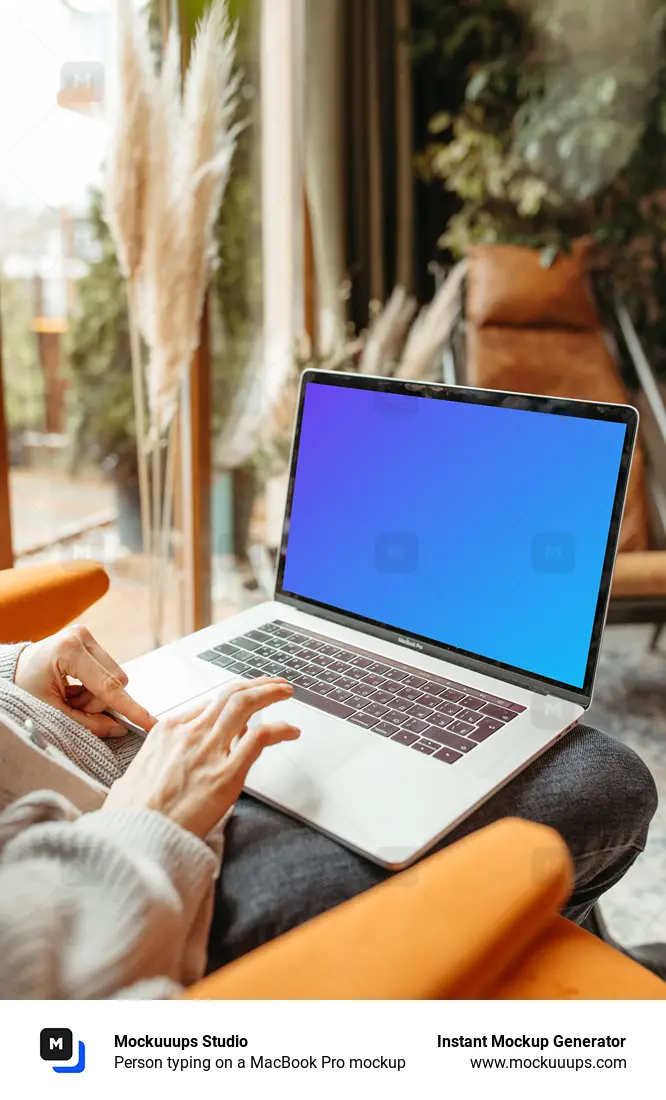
x,y
193,764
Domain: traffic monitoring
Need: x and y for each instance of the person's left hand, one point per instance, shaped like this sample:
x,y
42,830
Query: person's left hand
x,y
46,669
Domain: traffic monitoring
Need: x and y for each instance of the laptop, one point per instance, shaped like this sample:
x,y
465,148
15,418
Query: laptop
x,y
439,603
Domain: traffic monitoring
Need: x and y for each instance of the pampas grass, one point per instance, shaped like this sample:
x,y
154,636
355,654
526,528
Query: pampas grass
x,y
169,161
432,328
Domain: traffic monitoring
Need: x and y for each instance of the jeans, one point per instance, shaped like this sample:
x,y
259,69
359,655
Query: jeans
x,y
277,872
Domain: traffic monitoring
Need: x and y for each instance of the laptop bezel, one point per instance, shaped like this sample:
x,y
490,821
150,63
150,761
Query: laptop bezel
x,y
624,414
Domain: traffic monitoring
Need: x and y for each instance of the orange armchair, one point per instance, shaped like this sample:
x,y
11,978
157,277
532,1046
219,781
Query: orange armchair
x,y
37,600
477,920
447,928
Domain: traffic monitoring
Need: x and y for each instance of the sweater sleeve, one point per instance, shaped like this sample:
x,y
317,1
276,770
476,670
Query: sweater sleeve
x,y
93,905
103,759
9,655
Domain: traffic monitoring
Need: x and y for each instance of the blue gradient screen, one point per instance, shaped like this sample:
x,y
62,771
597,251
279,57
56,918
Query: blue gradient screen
x,y
479,527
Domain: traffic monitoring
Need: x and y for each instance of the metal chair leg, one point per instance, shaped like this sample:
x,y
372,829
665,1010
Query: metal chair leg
x,y
654,641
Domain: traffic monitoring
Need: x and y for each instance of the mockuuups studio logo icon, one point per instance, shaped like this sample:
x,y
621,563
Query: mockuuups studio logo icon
x,y
56,1044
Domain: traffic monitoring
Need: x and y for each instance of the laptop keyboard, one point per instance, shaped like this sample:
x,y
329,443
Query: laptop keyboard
x,y
432,715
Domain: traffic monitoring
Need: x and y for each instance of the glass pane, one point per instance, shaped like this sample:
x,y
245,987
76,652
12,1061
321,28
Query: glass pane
x,y
66,355
238,348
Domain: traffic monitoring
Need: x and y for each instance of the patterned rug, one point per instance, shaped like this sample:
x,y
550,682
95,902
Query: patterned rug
x,y
630,703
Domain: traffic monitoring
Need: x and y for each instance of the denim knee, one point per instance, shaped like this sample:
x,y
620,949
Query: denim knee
x,y
621,789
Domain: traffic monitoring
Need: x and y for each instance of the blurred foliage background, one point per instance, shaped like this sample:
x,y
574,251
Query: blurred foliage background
x,y
552,125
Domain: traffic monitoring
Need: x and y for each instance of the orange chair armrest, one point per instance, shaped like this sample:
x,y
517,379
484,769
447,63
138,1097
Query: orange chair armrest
x,y
568,963
37,600
448,927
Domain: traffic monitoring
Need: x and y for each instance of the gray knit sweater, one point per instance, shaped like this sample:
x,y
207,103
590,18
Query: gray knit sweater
x,y
100,904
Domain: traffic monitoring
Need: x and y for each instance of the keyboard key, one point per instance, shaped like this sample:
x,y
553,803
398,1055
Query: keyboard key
x,y
472,702
431,701
252,673
500,713
322,702
339,666
339,695
314,643
485,728
375,666
378,709
411,693
434,688
227,648
453,695
371,678
396,674
449,709
237,667
414,725
270,628
415,681
328,650
326,676
419,711
421,746
347,683
308,654
365,721
303,679
361,662
405,738
223,660
257,635
460,727
434,745
439,719
380,696
320,688
246,643
397,716
209,655
386,729
469,716
445,737
448,756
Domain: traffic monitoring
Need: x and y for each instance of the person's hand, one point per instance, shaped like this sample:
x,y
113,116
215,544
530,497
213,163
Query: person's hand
x,y
46,669
193,764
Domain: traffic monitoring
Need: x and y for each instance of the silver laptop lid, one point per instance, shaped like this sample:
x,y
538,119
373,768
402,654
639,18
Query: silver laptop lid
x,y
473,525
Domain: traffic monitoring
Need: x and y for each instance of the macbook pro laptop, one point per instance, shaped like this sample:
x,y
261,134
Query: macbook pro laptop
x,y
439,603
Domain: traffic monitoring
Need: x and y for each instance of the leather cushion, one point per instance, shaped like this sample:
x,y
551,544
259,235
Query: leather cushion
x,y
507,285
559,363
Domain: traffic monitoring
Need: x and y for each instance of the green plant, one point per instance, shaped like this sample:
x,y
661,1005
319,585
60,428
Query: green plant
x,y
98,357
23,378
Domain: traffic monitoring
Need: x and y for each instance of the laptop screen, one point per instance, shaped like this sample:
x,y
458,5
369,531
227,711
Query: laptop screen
x,y
480,527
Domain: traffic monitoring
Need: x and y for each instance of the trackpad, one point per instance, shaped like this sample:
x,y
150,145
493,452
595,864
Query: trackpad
x,y
167,678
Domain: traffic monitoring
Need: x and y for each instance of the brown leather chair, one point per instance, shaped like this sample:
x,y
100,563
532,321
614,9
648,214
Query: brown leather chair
x,y
552,330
